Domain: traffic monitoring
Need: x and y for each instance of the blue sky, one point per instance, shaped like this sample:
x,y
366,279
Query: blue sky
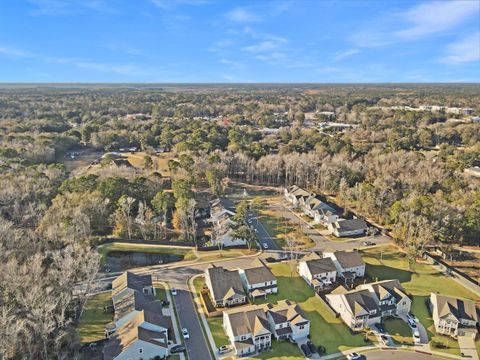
x,y
239,41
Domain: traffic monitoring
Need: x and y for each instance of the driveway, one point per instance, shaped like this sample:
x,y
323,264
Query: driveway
x,y
421,330
467,347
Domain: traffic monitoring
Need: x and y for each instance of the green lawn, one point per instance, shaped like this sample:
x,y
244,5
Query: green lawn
x,y
282,350
325,329
93,320
103,250
389,263
399,331
160,291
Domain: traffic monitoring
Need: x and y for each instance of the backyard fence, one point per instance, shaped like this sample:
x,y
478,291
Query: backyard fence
x,y
466,280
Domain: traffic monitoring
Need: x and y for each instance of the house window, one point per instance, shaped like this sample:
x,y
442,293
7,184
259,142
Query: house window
x,y
140,351
301,327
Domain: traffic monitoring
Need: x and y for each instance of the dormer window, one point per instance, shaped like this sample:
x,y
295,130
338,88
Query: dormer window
x,y
140,351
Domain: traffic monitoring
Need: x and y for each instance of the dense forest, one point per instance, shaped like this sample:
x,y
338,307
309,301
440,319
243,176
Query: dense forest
x,y
401,168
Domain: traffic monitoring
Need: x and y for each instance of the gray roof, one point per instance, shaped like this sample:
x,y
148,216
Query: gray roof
x,y
249,320
458,308
225,283
388,288
361,301
257,272
349,259
131,281
135,301
351,225
320,266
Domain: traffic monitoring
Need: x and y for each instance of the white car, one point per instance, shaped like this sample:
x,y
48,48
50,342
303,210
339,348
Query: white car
x,y
354,356
185,333
384,339
416,337
265,246
412,317
174,291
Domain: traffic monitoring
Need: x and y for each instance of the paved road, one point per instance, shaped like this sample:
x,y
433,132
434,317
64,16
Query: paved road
x,y
398,355
262,235
321,242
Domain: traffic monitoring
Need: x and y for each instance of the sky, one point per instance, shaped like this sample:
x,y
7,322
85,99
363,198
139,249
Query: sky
x,y
217,41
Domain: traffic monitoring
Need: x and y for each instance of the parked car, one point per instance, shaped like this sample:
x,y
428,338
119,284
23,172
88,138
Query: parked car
x,y
380,328
223,349
174,291
369,243
311,347
265,246
321,349
416,337
412,317
412,323
354,356
270,259
165,302
185,333
177,349
306,350
384,340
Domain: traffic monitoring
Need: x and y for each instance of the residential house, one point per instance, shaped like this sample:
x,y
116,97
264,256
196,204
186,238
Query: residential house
x,y
129,282
248,329
221,217
349,264
357,308
318,272
391,297
128,306
288,321
352,227
453,316
144,336
296,195
258,279
370,303
225,286
321,212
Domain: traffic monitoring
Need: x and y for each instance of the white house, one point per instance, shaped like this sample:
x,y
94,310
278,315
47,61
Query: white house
x,y
258,279
296,195
288,321
247,329
143,337
318,272
225,286
352,227
453,316
349,264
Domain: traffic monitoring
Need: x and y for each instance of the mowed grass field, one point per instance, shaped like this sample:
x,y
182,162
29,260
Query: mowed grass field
x,y
93,320
388,262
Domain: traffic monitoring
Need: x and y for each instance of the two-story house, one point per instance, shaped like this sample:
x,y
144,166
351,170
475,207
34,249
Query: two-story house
x,y
258,279
318,272
144,336
391,297
130,282
321,212
351,227
247,329
296,195
453,316
225,286
357,308
349,264
288,321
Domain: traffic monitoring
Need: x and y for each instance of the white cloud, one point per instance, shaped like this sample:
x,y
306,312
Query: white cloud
x,y
438,16
12,52
242,15
465,50
345,54
263,46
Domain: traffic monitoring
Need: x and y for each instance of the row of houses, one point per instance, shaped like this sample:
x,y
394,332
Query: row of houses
x,y
230,287
140,330
321,213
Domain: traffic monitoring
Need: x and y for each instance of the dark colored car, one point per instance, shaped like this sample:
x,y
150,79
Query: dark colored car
x,y
177,349
165,302
270,259
380,328
311,347
321,349
306,350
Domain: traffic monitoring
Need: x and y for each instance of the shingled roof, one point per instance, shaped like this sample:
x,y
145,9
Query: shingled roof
x,y
248,320
349,259
320,266
225,283
131,281
450,307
